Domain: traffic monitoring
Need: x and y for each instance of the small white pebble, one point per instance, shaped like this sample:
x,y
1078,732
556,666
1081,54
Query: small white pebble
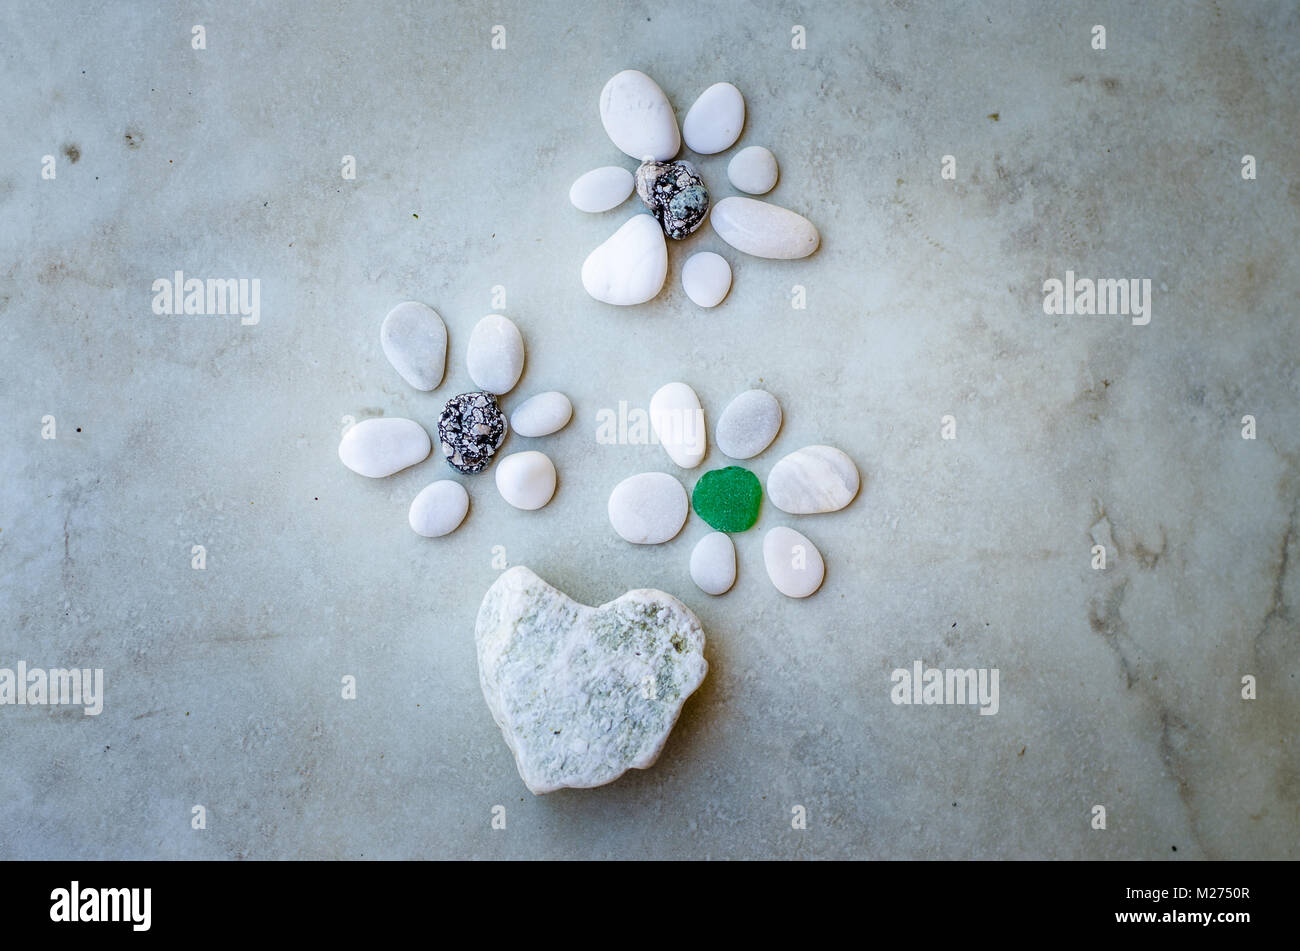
x,y
526,479
706,278
439,509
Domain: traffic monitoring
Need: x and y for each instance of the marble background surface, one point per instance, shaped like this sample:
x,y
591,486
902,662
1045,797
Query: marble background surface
x,y
1118,687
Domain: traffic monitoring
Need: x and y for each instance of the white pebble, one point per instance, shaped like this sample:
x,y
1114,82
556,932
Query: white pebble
x,y
706,278
793,562
678,421
439,509
542,414
601,189
812,480
749,424
714,123
713,563
526,479
763,229
379,447
649,508
414,339
638,117
495,357
630,267
753,170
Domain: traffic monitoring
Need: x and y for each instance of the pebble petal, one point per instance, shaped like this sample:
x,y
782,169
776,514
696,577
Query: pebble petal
x,y
793,562
630,267
763,229
379,447
526,479
713,563
414,339
638,117
714,123
749,424
753,170
495,357
439,509
813,479
542,414
706,278
678,421
601,189
649,508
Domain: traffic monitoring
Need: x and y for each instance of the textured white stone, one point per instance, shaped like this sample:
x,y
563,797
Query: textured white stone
x,y
763,229
601,189
706,278
678,421
495,356
542,414
649,508
638,117
630,267
753,170
584,694
439,509
379,447
526,479
793,562
813,479
714,123
749,424
713,563
414,339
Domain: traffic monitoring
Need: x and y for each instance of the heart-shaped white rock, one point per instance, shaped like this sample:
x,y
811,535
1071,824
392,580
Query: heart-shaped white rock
x,y
584,694
713,124
678,422
630,267
706,278
379,447
638,117
495,357
542,414
601,189
649,508
713,563
439,509
753,170
414,339
793,562
763,229
813,479
526,479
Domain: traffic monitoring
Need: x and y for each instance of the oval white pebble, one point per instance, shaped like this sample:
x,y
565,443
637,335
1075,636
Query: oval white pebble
x,y
753,170
749,424
542,414
601,189
439,509
630,267
714,123
495,356
526,479
678,421
649,508
379,447
793,562
763,229
813,479
414,339
638,117
713,563
706,278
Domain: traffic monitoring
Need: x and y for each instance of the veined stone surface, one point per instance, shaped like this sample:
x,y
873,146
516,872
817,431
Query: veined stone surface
x,y
584,694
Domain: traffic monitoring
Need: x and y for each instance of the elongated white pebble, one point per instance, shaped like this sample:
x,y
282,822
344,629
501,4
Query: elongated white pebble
x,y
649,508
714,123
526,479
542,414
414,339
638,117
749,424
678,421
753,170
713,563
763,229
495,357
706,278
379,447
601,189
439,509
813,479
793,562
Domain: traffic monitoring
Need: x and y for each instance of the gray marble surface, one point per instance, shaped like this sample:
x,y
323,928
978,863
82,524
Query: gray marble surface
x,y
1118,687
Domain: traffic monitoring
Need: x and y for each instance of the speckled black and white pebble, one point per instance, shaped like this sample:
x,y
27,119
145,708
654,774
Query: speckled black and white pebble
x,y
675,193
471,429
